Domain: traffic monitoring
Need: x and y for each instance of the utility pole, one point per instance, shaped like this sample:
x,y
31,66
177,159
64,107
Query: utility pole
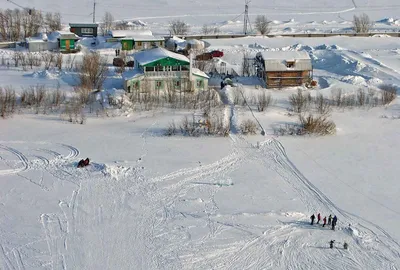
x,y
246,21
94,11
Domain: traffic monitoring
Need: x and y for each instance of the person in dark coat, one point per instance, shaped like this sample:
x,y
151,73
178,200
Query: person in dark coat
x,y
318,218
312,219
334,221
324,222
222,84
331,243
330,220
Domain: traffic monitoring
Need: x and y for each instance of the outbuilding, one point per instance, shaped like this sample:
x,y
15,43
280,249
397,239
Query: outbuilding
x,y
84,29
284,68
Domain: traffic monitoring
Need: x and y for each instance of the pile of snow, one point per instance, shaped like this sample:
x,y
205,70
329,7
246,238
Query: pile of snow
x,y
381,35
327,47
355,80
44,74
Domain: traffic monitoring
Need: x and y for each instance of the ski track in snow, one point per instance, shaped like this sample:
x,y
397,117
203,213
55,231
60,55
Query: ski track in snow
x,y
117,217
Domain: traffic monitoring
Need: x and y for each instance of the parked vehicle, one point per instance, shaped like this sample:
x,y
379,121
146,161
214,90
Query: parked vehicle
x,y
130,63
118,62
217,54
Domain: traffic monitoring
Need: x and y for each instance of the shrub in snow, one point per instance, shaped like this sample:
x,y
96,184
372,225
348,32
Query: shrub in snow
x,y
248,127
388,93
362,23
322,105
300,102
8,102
319,125
263,101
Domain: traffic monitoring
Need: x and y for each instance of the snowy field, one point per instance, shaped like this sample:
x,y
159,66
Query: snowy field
x,y
149,201
302,16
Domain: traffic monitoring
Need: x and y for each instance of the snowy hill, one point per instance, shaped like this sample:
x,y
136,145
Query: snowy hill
x,y
228,15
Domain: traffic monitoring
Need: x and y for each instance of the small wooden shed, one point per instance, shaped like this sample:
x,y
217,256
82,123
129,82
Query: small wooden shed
x,y
284,68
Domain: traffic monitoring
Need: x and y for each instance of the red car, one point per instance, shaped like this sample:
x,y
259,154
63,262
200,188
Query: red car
x,y
217,54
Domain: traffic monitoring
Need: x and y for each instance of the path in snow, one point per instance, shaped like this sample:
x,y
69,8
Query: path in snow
x,y
117,218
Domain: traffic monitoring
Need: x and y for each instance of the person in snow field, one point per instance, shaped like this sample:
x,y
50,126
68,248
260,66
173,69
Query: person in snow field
x,y
312,219
318,218
331,243
83,163
345,245
324,222
329,219
334,221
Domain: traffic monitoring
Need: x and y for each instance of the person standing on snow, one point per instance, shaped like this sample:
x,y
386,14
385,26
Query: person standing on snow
x,y
318,218
334,221
329,219
312,219
331,243
324,222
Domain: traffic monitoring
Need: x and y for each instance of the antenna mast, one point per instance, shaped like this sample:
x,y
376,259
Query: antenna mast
x,y
94,11
246,22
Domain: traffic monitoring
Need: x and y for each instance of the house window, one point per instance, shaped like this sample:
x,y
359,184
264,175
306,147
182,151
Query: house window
x,y
177,84
175,68
87,30
290,64
135,85
129,89
149,68
158,84
185,67
199,83
139,43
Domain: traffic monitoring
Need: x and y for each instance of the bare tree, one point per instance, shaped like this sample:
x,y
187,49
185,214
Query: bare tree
x,y
48,59
206,30
362,24
262,24
107,23
178,27
53,21
93,71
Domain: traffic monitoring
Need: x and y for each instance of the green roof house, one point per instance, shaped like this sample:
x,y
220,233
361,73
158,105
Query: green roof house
x,y
158,69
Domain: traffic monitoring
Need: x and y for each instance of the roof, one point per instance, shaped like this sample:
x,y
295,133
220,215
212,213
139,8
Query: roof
x,y
35,40
284,55
144,38
276,60
155,54
198,72
131,74
130,33
54,36
83,25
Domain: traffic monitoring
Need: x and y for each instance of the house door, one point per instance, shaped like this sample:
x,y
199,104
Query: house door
x,y
67,44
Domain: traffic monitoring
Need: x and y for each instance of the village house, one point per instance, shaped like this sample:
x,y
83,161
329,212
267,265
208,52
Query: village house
x,y
136,39
158,69
62,41
84,29
284,68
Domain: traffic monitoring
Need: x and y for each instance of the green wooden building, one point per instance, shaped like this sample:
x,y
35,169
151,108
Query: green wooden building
x,y
67,42
158,69
141,42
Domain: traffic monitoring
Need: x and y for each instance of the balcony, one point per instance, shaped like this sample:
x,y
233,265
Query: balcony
x,y
167,74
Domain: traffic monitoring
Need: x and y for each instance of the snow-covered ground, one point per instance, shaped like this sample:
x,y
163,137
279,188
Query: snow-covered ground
x,y
302,16
154,202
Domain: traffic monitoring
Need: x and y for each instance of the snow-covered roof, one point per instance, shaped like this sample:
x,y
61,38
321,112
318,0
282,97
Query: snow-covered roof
x,y
131,74
144,38
61,34
277,60
198,72
130,33
83,25
285,55
34,40
152,55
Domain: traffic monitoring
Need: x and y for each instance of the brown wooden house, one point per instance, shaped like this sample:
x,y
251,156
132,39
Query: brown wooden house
x,y
284,68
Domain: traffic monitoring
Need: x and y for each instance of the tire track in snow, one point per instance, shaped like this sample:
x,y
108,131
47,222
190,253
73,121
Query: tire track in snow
x,y
21,157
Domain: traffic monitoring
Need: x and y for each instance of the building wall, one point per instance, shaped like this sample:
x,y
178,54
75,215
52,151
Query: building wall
x,y
78,31
38,46
164,84
279,79
128,45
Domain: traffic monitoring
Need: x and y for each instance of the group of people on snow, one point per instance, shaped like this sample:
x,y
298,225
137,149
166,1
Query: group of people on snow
x,y
331,220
